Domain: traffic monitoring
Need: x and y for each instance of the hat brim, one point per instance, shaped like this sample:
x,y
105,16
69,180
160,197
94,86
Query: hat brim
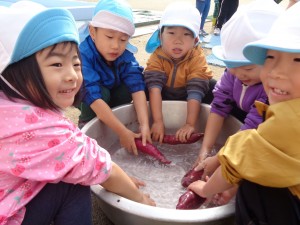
x,y
218,53
256,51
153,43
130,47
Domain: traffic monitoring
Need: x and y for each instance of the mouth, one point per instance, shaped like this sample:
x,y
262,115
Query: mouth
x,y
113,54
67,91
177,50
245,81
279,91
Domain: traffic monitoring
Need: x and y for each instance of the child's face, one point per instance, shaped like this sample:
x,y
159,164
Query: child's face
x,y
110,43
248,75
280,76
61,70
177,41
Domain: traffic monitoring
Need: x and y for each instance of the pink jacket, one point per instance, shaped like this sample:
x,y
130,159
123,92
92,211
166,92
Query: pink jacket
x,y
38,147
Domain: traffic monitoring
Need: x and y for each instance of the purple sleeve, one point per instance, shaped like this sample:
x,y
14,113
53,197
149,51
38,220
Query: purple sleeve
x,y
253,119
223,95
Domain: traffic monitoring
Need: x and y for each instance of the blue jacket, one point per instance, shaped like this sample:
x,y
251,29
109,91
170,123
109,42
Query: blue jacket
x,y
230,91
97,73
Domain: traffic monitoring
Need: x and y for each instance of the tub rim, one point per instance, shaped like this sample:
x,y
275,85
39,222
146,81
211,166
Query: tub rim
x,y
163,214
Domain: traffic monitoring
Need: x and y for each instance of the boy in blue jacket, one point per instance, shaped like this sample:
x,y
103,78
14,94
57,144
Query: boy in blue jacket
x,y
112,76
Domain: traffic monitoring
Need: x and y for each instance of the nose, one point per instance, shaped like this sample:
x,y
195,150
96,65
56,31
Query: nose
x,y
178,39
115,44
71,74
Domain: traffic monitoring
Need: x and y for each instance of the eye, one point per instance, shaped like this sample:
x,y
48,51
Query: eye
x,y
269,57
109,37
57,65
297,59
187,34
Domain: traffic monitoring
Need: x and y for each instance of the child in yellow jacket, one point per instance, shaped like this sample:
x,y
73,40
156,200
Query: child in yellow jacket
x,y
265,162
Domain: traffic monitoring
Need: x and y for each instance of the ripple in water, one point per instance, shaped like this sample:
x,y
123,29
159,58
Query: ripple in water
x,y
163,182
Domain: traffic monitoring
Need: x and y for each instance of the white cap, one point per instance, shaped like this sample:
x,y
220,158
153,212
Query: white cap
x,y
176,14
116,15
284,36
249,23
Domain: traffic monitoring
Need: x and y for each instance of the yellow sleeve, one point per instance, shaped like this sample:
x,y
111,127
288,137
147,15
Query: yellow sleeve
x,y
270,155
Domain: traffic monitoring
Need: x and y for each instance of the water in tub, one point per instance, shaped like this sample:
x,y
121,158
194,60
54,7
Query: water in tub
x,y
163,182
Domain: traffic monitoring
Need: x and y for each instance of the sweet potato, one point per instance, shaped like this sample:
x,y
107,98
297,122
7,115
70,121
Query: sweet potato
x,y
191,176
151,150
171,139
190,200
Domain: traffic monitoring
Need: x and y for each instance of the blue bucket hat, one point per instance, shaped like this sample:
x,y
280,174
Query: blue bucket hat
x,y
243,27
115,15
28,27
284,36
176,14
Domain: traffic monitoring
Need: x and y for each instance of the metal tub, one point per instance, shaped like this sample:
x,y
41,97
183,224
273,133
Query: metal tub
x,y
122,211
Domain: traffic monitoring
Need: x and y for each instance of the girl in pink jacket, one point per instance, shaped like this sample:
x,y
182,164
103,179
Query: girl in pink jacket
x,y
46,163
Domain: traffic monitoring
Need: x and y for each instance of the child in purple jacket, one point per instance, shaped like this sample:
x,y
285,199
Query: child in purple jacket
x,y
240,86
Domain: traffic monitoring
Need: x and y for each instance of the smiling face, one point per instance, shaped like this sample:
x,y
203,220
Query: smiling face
x,y
177,41
248,75
61,70
281,76
110,43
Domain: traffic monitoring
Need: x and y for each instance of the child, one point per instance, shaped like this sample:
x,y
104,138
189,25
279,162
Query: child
x,y
265,162
177,68
46,163
112,76
240,85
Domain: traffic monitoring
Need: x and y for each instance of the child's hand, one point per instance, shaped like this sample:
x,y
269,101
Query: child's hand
x,y
197,187
147,200
184,132
158,131
127,141
224,197
210,164
138,183
146,134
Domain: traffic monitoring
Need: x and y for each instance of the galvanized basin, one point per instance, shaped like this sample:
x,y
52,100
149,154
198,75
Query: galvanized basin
x,y
122,211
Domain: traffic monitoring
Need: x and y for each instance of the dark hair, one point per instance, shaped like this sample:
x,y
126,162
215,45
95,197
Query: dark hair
x,y
25,76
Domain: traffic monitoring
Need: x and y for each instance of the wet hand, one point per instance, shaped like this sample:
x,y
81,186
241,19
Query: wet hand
x,y
145,134
197,187
224,197
210,164
158,131
127,141
184,132
138,183
147,200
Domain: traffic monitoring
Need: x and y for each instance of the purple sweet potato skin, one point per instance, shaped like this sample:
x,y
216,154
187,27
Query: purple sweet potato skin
x,y
171,139
191,176
190,200
151,150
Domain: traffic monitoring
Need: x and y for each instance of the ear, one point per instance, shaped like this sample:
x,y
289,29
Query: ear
x,y
92,31
197,40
